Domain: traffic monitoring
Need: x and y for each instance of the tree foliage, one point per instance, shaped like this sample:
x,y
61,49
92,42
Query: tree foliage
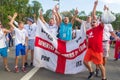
x,y
24,9
8,7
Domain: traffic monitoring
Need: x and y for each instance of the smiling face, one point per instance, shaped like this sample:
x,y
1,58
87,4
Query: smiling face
x,y
29,22
51,22
89,19
66,20
21,25
94,23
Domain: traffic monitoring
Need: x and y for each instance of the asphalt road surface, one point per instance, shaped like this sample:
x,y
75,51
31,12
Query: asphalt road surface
x,y
113,71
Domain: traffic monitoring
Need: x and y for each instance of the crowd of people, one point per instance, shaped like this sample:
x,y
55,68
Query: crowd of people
x,y
98,37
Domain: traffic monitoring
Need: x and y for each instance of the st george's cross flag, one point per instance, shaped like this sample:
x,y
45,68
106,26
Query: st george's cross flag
x,y
60,56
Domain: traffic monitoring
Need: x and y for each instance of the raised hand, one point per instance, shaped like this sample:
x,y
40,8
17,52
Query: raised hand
x,y
40,11
76,11
34,15
15,15
56,8
53,11
9,17
96,2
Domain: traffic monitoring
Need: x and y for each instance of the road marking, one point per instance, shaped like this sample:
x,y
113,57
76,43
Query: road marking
x,y
30,74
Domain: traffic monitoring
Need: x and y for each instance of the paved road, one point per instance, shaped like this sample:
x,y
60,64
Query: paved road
x,y
113,71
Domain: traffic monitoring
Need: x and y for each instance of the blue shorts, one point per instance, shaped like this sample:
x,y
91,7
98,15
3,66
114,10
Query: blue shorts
x,y
3,52
20,48
30,44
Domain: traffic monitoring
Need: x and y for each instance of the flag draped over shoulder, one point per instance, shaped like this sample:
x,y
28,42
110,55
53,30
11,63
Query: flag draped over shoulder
x,y
57,55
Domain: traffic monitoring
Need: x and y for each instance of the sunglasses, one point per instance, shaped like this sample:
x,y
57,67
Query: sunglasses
x,y
94,22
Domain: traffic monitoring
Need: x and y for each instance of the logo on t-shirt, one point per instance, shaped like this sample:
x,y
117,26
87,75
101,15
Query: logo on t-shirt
x,y
90,35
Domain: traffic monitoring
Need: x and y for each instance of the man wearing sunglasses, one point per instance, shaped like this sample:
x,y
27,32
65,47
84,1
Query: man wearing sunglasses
x,y
95,51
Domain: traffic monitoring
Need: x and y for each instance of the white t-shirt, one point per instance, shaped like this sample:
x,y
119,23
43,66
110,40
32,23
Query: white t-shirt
x,y
106,32
20,36
31,30
53,29
76,32
2,39
86,25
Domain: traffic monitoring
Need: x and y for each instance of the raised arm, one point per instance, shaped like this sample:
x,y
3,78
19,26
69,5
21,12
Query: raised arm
x,y
94,9
6,31
34,15
15,22
41,17
12,20
56,18
58,15
79,20
73,19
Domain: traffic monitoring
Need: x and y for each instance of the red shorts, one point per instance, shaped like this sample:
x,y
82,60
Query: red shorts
x,y
95,57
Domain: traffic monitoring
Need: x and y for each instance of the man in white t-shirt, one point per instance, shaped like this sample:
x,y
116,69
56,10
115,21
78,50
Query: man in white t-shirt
x,y
21,37
107,32
31,28
3,47
52,25
86,24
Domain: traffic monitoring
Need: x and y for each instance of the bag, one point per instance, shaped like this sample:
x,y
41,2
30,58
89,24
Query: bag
x,y
107,17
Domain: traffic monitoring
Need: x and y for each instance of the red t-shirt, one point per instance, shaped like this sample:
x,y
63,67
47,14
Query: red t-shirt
x,y
95,36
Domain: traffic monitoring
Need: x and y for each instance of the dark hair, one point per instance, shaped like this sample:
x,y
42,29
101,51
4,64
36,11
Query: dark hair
x,y
20,22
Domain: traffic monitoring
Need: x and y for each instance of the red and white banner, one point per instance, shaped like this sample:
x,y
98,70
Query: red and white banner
x,y
57,55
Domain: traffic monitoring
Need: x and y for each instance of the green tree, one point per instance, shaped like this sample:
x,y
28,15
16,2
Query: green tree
x,y
82,13
67,14
8,7
47,15
36,7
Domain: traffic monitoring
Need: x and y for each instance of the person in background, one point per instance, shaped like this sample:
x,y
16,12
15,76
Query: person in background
x,y
10,36
107,32
3,47
117,50
74,32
